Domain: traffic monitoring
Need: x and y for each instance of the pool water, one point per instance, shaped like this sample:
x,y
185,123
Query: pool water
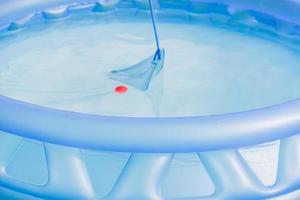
x,y
208,70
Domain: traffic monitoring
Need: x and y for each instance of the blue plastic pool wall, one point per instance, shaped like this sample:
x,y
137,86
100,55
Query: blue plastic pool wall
x,y
146,147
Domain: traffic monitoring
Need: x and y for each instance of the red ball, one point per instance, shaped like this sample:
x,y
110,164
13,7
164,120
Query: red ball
x,y
121,89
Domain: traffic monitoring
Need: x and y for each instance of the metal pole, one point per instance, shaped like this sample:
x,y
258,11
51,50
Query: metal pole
x,y
155,30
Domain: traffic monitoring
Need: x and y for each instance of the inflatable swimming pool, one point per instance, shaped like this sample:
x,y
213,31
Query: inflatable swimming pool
x,y
74,137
